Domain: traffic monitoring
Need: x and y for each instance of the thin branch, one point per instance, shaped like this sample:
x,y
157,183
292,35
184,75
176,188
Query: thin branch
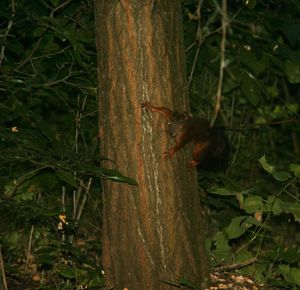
x,y
222,62
199,40
29,248
63,199
87,191
190,78
76,197
257,126
6,33
4,282
59,7
63,205
29,57
235,266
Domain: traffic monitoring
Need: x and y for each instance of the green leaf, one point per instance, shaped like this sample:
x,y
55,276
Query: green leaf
x,y
110,174
291,275
46,259
220,191
273,205
222,250
243,255
96,279
239,226
277,206
253,204
281,175
291,207
292,70
249,59
67,272
66,176
251,4
55,2
278,175
295,168
235,230
295,276
289,255
265,165
291,31
46,180
251,89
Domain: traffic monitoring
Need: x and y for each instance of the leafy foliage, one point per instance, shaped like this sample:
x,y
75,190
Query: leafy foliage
x,y
254,211
48,128
49,148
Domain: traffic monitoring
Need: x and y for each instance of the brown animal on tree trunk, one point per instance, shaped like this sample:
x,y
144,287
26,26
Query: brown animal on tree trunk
x,y
211,146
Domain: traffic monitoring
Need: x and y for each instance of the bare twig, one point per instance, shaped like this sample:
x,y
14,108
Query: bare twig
x,y
64,79
199,40
29,248
8,28
4,282
257,126
59,7
235,266
29,57
222,62
78,209
63,205
87,191
63,199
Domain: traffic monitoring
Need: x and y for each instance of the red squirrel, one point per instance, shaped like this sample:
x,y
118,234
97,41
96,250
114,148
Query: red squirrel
x,y
211,146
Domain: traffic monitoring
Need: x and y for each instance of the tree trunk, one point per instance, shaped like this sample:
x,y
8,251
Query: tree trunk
x,y
152,233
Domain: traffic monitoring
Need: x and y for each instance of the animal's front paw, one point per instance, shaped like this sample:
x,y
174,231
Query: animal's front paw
x,y
146,105
192,163
169,154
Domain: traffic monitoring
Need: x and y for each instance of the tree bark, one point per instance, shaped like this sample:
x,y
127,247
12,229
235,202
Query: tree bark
x,y
152,233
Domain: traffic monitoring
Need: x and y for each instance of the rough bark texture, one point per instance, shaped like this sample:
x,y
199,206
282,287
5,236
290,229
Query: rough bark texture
x,y
153,232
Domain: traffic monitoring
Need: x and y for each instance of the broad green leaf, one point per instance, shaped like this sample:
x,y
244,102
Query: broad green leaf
x,y
265,165
67,272
250,4
292,70
281,175
235,230
295,168
220,191
110,174
253,204
46,259
249,59
257,271
291,31
273,205
239,225
284,269
243,255
229,85
96,279
251,89
55,2
66,177
222,250
46,180
289,255
291,275
185,282
291,207
295,276
293,107
277,206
